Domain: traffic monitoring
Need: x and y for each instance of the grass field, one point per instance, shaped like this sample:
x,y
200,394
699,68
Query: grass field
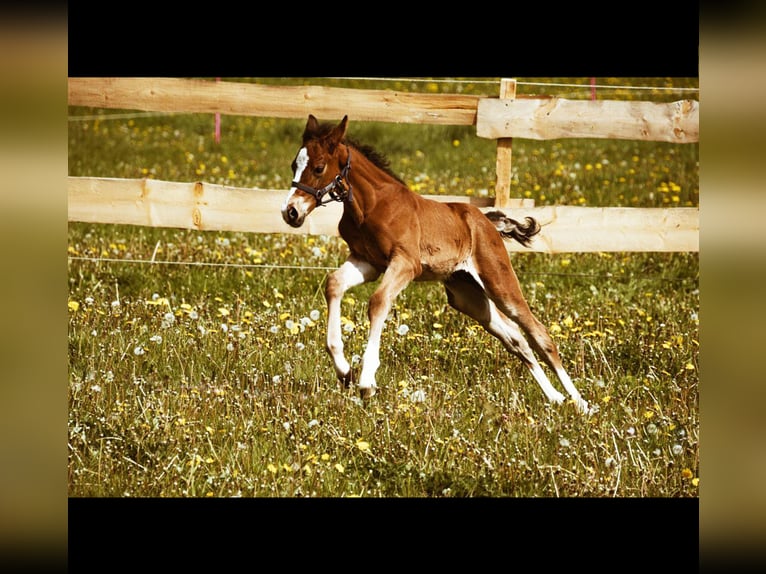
x,y
206,376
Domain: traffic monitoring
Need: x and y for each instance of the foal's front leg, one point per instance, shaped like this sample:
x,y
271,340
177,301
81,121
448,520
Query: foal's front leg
x,y
395,279
353,272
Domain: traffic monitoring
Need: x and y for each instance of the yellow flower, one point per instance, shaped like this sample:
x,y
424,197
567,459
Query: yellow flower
x,y
339,467
73,305
363,445
686,473
272,469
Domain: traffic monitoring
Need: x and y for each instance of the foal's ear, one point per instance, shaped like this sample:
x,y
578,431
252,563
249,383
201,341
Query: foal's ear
x,y
311,125
338,133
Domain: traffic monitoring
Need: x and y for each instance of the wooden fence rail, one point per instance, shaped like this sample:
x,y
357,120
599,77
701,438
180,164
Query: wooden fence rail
x,y
206,206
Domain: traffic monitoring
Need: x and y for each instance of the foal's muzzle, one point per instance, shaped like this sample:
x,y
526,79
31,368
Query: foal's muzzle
x,y
293,216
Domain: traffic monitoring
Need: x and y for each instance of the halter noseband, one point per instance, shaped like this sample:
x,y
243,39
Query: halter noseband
x,y
339,188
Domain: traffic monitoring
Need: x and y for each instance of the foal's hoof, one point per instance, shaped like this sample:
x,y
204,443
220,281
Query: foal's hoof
x,y
366,393
347,379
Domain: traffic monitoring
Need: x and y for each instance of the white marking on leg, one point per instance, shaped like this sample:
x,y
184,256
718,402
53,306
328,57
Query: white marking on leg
x,y
511,336
371,360
553,395
348,275
581,403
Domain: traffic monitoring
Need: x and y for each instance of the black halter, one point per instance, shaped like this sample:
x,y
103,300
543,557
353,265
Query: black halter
x,y
339,188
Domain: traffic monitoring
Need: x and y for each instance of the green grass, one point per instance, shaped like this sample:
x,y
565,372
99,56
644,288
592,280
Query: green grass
x,y
210,378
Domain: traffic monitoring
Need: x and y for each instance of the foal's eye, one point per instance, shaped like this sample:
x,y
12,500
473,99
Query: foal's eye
x,y
319,169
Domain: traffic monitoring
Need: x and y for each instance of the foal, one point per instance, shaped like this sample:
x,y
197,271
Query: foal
x,y
393,231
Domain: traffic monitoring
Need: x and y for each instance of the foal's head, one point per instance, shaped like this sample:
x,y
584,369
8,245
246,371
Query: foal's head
x,y
318,162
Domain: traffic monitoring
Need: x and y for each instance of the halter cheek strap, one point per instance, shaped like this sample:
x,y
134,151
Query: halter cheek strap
x,y
339,189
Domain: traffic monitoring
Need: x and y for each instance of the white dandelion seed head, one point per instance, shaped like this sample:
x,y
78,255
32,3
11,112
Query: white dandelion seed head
x,y
276,379
402,329
299,346
677,449
139,350
230,347
418,396
95,388
193,315
314,315
564,442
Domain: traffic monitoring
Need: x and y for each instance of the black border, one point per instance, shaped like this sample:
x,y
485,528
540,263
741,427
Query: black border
x,y
532,39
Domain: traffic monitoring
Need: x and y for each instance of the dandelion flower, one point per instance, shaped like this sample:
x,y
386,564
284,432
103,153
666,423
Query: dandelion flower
x,y
339,467
139,350
403,329
686,473
156,339
677,449
564,442
418,396
363,445
314,315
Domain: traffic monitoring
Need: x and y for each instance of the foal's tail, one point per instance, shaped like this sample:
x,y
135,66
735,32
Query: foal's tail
x,y
521,232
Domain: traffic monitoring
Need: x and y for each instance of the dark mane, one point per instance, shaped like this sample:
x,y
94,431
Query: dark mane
x,y
368,151
375,157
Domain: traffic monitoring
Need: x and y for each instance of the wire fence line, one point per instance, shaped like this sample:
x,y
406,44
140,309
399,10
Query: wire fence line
x,y
265,266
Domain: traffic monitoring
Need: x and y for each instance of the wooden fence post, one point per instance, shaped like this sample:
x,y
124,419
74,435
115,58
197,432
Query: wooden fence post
x,y
504,148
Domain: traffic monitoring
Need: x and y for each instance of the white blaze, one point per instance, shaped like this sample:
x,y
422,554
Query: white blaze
x,y
301,161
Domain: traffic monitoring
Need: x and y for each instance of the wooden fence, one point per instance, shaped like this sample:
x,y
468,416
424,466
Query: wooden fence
x,y
214,207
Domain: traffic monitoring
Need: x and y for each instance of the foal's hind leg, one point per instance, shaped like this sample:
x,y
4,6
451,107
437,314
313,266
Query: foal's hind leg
x,y
353,272
466,295
502,287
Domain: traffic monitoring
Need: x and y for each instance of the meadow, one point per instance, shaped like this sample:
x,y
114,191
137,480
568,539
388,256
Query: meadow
x,y
204,374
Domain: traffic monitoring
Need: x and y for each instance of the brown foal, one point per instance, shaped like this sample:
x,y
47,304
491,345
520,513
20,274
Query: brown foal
x,y
394,232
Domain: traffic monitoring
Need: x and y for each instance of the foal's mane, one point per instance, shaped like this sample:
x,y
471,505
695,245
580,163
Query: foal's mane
x,y
377,158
